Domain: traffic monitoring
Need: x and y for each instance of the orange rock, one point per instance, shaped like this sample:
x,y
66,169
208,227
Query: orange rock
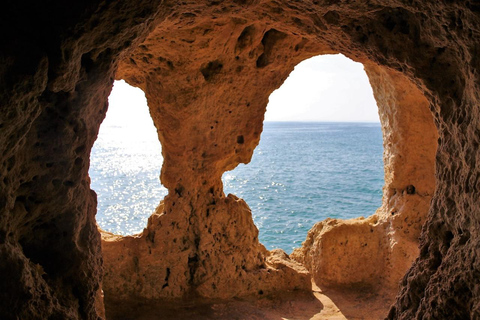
x,y
207,69
176,258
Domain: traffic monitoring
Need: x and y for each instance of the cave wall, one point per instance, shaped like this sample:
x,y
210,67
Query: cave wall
x,y
213,64
57,68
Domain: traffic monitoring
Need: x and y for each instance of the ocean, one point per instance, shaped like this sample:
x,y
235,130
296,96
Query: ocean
x,y
300,173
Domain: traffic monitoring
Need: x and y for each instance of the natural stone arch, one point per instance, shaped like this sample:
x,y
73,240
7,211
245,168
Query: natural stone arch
x,y
208,124
204,244
55,79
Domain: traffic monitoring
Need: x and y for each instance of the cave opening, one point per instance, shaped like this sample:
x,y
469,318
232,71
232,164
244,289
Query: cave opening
x,y
57,74
320,153
206,130
125,163
374,252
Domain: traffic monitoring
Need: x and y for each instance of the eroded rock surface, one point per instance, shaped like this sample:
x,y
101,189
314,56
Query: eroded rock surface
x,y
57,63
207,124
225,261
207,69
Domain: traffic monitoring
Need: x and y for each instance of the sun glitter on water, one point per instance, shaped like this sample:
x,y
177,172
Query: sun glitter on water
x,y
125,163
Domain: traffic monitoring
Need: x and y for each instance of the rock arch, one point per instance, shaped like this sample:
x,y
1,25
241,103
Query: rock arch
x,y
207,69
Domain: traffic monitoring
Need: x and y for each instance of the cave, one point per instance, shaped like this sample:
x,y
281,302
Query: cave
x,y
207,69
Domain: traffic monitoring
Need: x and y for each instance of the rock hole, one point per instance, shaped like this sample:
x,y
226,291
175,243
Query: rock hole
x,y
410,189
290,164
332,17
262,61
269,41
80,149
246,38
448,238
193,262
125,163
68,183
211,69
179,191
167,272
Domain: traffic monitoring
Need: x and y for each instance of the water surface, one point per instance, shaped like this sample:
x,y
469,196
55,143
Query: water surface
x,y
300,173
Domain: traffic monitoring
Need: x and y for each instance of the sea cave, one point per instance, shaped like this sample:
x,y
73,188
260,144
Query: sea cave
x,y
207,69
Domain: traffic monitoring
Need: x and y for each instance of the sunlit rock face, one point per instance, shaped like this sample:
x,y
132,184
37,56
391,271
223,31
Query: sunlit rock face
x,y
207,69
225,260
203,243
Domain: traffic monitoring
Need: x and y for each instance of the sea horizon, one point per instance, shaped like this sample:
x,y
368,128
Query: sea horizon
x,y
300,173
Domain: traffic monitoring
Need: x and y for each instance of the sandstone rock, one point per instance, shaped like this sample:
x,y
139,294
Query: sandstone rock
x,y
344,253
57,66
224,260
207,69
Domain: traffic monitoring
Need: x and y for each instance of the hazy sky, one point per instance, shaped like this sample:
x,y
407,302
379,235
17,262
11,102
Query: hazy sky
x,y
323,88
127,111
127,107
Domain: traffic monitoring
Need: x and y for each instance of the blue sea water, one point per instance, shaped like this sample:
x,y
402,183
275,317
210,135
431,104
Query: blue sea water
x,y
300,173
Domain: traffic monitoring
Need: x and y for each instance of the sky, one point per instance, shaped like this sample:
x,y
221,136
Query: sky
x,y
128,112
328,88
324,88
127,106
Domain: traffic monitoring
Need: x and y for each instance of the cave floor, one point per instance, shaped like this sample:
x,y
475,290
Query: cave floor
x,y
319,304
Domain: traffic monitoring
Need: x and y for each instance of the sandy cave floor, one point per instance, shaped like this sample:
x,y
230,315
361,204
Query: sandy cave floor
x,y
320,304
